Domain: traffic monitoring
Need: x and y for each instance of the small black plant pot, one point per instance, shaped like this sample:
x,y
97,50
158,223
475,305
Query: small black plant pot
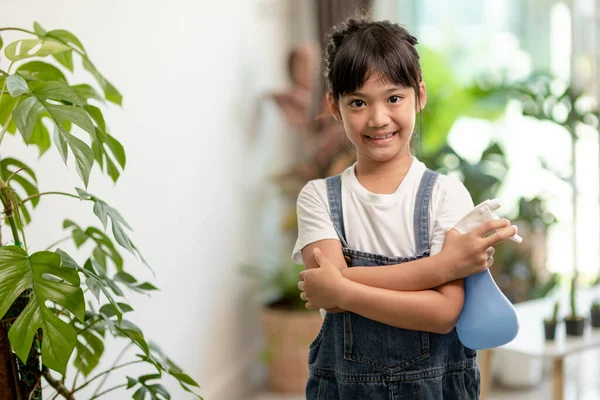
x,y
595,318
574,326
549,329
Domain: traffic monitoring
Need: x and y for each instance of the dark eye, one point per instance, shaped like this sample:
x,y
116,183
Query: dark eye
x,y
357,103
395,99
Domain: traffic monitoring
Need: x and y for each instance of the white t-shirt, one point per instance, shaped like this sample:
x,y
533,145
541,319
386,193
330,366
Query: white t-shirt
x,y
380,223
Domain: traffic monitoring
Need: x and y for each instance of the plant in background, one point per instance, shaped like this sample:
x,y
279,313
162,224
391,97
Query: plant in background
x,y
520,270
574,322
279,285
43,309
595,313
550,323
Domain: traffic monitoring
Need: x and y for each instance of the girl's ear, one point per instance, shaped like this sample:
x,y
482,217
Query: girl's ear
x,y
423,96
334,107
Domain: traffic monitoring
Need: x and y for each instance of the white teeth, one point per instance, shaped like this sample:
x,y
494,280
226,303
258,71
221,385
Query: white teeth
x,y
389,135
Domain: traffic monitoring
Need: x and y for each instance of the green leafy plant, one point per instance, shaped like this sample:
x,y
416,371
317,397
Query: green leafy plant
x,y
54,310
596,305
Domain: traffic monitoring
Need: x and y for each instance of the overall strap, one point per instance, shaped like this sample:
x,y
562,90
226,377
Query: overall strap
x,y
421,217
334,195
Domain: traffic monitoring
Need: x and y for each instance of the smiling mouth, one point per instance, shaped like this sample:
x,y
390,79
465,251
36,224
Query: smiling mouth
x,y
381,137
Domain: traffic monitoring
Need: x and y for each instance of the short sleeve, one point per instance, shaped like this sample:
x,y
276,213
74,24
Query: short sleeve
x,y
452,201
314,219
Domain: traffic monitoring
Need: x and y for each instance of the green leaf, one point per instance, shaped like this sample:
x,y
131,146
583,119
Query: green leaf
x,y
84,156
26,115
102,141
65,58
89,350
18,272
152,391
162,363
92,266
129,330
86,92
16,85
110,310
61,144
104,246
41,71
133,284
90,343
28,48
104,211
117,149
7,103
95,282
40,137
66,37
37,28
95,287
59,92
66,260
110,92
1,42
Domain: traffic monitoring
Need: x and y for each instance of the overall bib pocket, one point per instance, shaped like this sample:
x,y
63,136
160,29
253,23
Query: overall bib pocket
x,y
382,346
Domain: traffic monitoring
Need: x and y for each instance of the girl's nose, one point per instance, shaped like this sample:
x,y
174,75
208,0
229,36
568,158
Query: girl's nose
x,y
379,117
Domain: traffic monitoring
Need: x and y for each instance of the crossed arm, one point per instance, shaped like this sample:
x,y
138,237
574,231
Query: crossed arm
x,y
427,294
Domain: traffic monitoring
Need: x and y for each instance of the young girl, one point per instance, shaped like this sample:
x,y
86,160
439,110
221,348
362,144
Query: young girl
x,y
396,337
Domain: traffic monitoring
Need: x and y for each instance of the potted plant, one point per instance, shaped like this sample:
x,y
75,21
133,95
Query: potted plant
x,y
550,323
55,310
287,325
574,323
595,313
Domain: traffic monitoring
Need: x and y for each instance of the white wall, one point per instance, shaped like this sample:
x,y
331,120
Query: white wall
x,y
199,150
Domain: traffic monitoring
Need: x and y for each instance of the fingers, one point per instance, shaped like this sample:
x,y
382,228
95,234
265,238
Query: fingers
x,y
489,261
500,235
301,274
310,306
301,286
490,226
303,296
490,251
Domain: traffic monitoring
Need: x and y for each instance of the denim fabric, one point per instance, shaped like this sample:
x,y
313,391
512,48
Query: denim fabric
x,y
354,357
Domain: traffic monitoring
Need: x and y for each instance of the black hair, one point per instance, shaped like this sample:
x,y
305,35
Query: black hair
x,y
359,47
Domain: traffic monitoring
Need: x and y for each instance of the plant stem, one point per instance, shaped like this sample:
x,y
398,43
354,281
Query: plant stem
x,y
10,28
45,193
121,354
58,242
14,173
5,197
88,326
8,120
61,389
3,72
17,212
107,372
108,390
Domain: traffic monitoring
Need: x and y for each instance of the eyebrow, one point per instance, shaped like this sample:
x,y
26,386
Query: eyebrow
x,y
392,89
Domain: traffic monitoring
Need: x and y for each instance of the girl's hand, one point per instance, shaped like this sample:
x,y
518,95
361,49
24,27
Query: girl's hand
x,y
472,252
324,286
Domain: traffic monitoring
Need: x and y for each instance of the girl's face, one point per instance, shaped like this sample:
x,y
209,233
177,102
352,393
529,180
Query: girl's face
x,y
379,118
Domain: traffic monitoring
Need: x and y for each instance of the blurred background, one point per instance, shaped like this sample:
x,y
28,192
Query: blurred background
x,y
223,122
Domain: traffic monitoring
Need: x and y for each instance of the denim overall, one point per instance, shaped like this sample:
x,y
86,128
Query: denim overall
x,y
354,357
